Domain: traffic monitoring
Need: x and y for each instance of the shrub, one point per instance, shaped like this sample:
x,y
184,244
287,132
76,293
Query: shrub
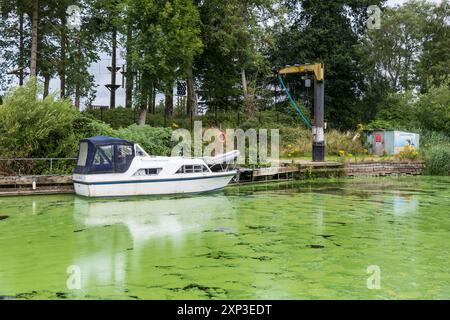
x,y
437,160
432,110
31,127
156,141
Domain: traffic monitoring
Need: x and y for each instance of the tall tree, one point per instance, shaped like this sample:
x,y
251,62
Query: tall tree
x,y
34,38
328,32
434,66
166,41
235,35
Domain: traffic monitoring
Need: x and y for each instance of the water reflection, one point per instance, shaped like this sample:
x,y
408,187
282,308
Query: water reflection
x,y
159,227
148,218
404,205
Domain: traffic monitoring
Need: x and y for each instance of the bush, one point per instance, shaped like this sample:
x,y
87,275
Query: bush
x,y
437,160
116,118
156,141
30,127
432,110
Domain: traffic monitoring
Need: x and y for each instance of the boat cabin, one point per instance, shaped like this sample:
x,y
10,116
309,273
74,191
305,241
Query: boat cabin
x,y
101,154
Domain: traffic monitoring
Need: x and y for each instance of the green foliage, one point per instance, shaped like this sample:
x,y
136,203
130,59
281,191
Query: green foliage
x,y
396,108
116,118
166,42
30,127
155,141
328,32
437,160
432,110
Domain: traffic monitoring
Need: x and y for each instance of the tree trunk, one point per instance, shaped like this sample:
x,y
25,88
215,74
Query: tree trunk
x,y
192,104
154,98
129,71
142,117
21,49
169,102
34,38
46,85
62,58
143,99
249,107
77,97
112,100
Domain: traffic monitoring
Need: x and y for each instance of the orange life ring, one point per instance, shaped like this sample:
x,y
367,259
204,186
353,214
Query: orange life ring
x,y
222,137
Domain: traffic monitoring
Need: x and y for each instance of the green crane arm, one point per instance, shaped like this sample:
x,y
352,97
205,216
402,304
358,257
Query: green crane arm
x,y
305,119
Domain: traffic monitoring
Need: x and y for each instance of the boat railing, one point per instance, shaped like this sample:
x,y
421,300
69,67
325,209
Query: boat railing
x,y
36,166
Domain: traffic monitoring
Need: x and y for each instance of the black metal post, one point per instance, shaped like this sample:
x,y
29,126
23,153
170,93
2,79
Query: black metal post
x,y
318,153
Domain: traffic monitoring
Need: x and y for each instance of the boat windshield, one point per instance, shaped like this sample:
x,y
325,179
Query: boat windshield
x,y
140,152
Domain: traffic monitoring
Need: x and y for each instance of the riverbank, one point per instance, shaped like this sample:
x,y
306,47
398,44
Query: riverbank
x,y
285,170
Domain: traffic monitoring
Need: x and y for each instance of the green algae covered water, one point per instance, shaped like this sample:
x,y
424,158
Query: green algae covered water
x,y
384,238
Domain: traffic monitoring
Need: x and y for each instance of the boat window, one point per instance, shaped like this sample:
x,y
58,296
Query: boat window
x,y
82,154
193,169
103,159
148,172
124,157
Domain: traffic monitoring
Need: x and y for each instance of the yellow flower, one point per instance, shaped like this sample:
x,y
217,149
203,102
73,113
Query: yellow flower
x,y
341,153
174,125
289,145
349,154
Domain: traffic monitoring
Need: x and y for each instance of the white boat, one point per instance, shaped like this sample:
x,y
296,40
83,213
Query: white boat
x,y
109,167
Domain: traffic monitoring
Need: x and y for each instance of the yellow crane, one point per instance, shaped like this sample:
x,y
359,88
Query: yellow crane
x,y
319,93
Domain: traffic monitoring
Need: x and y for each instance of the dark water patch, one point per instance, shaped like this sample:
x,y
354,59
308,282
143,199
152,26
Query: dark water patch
x,y
338,222
134,297
26,295
223,229
325,236
261,228
242,244
315,246
80,230
210,292
7,297
130,249
262,258
221,255
3,217
61,295
364,238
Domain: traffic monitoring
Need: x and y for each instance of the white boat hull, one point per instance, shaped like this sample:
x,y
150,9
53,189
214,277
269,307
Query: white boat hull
x,y
194,184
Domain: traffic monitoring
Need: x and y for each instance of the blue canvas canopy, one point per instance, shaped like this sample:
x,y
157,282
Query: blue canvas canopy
x,y
104,155
102,140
